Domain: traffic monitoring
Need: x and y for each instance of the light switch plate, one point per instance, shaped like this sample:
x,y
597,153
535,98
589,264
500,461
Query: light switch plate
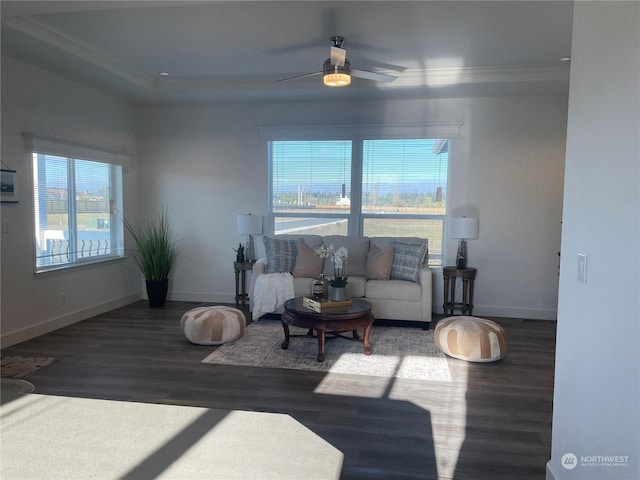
x,y
582,268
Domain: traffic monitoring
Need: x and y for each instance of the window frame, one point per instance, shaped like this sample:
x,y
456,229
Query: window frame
x,y
358,135
72,153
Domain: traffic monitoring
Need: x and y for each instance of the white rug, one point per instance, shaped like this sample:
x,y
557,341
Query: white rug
x,y
52,437
397,352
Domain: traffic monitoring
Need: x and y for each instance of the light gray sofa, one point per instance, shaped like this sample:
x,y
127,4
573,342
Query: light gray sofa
x,y
393,299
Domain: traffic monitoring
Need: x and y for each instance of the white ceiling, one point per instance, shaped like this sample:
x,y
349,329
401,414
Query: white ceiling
x,y
236,50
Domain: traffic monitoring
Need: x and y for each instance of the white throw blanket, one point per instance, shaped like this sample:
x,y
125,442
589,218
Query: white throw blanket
x,y
270,292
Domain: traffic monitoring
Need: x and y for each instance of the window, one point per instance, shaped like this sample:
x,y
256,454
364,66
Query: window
x,y
390,187
311,187
76,203
404,188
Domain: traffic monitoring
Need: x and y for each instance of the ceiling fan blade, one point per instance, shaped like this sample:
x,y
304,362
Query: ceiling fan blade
x,y
338,56
378,77
315,44
298,76
370,65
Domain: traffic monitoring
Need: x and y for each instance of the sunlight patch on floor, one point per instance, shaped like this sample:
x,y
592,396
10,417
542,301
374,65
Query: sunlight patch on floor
x,y
448,414
419,368
352,385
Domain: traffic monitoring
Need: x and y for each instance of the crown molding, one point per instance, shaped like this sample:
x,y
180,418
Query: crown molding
x,y
435,77
430,77
78,49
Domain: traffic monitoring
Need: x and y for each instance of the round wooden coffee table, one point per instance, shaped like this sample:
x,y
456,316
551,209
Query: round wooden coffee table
x,y
333,320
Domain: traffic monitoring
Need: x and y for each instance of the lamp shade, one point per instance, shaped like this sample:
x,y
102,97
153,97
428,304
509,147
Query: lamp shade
x,y
463,227
249,224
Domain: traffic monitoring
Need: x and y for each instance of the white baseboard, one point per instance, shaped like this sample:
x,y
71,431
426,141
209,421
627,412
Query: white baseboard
x,y
551,474
515,312
51,324
206,297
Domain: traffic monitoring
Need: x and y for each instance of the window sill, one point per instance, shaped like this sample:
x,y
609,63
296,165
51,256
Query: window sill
x,y
70,266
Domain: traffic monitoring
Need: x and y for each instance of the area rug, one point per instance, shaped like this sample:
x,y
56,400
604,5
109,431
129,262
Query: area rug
x,y
397,352
18,367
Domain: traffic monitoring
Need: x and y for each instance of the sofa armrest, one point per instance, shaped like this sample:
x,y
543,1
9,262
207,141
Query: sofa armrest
x,y
426,283
259,268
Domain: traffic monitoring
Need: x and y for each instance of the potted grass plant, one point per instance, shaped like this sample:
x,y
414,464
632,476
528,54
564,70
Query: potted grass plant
x,y
155,255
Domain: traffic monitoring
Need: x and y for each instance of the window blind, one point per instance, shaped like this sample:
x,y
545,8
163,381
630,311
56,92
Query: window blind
x,y
310,174
408,175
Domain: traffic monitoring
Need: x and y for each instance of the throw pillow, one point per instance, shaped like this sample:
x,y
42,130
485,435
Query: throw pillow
x,y
281,254
407,260
379,263
308,264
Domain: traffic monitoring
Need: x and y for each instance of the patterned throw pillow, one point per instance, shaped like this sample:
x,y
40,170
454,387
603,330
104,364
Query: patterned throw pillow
x,y
281,254
407,260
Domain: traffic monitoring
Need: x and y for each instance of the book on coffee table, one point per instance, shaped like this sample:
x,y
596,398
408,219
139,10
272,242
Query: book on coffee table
x,y
324,304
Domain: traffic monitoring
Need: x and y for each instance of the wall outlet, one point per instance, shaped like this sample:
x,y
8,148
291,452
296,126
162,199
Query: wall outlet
x,y
582,268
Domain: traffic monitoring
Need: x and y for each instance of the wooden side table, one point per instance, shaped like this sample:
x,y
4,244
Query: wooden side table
x,y
450,274
241,268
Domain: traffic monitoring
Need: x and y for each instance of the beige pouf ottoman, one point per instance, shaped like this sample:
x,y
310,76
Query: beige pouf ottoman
x,y
213,325
471,338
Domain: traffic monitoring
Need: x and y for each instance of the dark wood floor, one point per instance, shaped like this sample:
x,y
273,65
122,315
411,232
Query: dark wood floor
x,y
493,421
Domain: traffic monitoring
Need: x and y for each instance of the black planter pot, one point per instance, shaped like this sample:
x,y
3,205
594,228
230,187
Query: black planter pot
x,y
157,293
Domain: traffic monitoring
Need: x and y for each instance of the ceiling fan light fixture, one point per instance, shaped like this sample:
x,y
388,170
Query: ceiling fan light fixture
x,y
335,75
337,79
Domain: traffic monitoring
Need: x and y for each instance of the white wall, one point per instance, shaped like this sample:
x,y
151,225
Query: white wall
x,y
597,380
41,103
208,163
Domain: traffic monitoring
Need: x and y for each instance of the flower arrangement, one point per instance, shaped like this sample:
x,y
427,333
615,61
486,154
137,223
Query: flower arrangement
x,y
339,259
340,268
323,251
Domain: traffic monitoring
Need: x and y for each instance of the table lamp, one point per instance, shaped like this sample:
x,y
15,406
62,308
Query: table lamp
x,y
249,225
463,228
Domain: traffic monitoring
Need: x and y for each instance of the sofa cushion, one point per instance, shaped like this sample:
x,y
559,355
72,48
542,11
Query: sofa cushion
x,y
280,253
308,264
407,260
358,248
394,290
356,287
302,286
384,242
379,263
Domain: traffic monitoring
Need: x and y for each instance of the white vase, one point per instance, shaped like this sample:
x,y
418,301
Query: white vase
x,y
337,294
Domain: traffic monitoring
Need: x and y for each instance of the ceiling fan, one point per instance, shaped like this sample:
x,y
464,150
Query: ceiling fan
x,y
337,71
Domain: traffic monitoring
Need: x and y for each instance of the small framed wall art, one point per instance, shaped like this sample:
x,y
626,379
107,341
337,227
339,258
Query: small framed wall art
x,y
8,180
